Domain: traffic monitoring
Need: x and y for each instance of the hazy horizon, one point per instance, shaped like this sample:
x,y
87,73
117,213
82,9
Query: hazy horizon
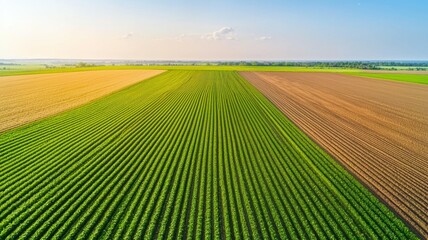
x,y
214,30
205,60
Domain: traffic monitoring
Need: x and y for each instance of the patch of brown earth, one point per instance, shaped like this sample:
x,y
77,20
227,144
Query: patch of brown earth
x,y
377,129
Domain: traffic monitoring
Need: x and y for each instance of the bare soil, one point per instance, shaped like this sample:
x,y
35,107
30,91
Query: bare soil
x,y
27,98
377,129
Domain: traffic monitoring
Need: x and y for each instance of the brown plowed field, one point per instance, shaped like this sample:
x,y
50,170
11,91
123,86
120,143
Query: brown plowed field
x,y
27,98
377,129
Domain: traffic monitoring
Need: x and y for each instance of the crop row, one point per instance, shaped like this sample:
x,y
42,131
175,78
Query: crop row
x,y
182,155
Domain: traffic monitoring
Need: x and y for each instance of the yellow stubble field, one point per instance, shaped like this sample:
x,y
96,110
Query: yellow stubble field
x,y
27,98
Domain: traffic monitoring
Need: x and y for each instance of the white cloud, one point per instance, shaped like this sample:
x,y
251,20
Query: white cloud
x,y
225,33
263,38
128,35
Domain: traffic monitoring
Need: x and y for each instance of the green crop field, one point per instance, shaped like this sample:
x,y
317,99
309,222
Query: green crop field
x,y
410,78
186,154
31,70
36,69
411,68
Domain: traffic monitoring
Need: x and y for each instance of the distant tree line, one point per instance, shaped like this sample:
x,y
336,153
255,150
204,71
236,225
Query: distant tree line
x,y
333,64
83,64
367,65
10,64
359,65
404,63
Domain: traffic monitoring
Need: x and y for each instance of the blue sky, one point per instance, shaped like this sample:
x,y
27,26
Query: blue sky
x,y
215,30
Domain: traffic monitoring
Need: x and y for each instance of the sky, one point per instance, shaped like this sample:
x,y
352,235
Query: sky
x,y
215,29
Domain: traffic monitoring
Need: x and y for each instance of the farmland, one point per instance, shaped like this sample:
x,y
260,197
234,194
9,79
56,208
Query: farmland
x,y
186,154
27,98
376,129
420,77
61,69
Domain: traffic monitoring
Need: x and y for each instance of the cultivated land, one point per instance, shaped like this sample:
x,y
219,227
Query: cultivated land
x,y
400,75
27,98
393,72
376,129
182,155
415,77
31,71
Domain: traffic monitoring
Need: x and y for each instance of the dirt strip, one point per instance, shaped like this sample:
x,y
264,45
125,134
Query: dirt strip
x,y
377,129
27,98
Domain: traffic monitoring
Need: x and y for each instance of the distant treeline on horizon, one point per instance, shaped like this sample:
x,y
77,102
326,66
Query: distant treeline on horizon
x,y
392,65
369,65
333,64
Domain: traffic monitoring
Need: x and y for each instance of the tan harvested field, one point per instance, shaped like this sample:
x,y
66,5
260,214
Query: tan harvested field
x,y
377,129
27,98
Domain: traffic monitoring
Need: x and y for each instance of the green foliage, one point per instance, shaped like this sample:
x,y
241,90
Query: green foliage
x,y
411,78
182,155
84,65
308,64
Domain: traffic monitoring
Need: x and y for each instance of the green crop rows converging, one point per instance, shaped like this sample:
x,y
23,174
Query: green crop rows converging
x,y
186,154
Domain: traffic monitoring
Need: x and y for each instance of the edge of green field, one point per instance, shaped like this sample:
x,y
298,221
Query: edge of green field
x,y
400,77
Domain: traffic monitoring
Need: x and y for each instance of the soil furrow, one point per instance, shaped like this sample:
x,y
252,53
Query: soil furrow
x,y
376,129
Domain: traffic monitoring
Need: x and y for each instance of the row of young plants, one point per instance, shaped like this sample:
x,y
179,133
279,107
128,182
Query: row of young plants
x,y
187,154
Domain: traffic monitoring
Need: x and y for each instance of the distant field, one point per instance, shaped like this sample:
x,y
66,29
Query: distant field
x,y
380,74
411,78
197,155
400,68
26,71
405,76
26,98
21,67
377,129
